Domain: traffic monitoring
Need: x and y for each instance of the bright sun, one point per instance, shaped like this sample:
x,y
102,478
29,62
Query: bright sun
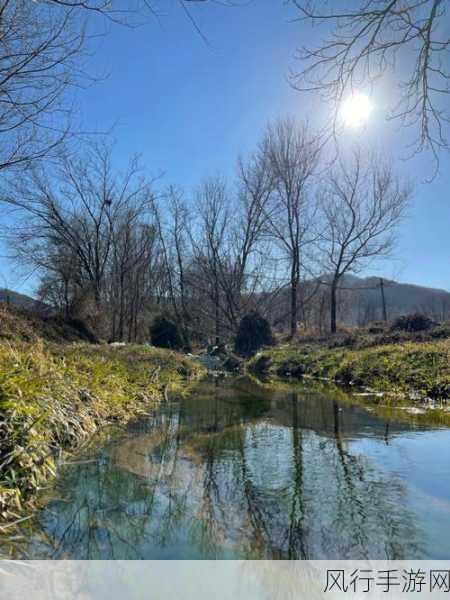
x,y
356,110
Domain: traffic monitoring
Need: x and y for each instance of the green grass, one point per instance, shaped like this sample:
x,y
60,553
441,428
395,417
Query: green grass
x,y
54,397
420,368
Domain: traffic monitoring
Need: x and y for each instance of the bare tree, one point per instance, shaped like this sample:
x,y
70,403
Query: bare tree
x,y
71,220
60,287
134,268
41,47
174,230
230,269
243,267
407,37
291,153
213,213
362,203
42,44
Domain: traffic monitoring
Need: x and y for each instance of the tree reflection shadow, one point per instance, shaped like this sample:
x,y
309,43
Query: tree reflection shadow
x,y
228,474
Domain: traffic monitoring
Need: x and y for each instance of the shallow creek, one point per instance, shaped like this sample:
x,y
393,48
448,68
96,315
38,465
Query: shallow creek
x,y
240,470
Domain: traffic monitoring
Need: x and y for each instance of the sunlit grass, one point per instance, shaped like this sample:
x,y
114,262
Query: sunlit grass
x,y
421,369
54,397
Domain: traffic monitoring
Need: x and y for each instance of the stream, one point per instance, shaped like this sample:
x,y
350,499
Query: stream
x,y
240,470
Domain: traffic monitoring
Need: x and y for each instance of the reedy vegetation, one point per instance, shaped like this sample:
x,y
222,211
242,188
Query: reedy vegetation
x,y
54,397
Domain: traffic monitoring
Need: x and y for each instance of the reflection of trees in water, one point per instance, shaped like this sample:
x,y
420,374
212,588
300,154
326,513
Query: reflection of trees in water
x,y
105,509
296,545
87,523
207,479
210,517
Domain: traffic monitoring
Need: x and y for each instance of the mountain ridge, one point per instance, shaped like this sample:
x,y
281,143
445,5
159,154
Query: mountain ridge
x,y
359,299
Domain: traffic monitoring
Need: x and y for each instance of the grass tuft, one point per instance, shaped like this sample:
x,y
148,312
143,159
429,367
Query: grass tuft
x,y
53,397
412,368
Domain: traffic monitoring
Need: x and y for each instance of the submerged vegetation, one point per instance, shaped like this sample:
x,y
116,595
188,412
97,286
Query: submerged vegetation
x,y
53,397
410,369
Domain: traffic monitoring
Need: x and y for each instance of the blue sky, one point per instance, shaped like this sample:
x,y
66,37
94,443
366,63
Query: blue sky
x,y
189,109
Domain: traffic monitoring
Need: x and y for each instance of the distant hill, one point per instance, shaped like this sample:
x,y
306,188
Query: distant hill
x,y
360,301
362,298
22,301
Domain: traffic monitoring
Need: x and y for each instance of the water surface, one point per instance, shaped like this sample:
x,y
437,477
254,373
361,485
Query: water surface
x,y
239,471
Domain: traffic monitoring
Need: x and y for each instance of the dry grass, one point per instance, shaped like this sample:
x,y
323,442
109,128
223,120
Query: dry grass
x,y
52,398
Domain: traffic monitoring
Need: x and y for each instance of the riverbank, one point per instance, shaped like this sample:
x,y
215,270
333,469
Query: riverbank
x,y
53,397
410,370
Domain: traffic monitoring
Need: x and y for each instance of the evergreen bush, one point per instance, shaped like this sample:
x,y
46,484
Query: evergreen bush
x,y
164,333
414,322
254,332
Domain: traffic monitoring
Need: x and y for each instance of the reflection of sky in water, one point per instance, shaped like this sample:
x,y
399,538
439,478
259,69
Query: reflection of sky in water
x,y
268,455
239,472
420,461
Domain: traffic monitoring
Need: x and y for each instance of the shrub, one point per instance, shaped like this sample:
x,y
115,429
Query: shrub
x,y
442,331
343,341
414,322
253,333
164,333
377,327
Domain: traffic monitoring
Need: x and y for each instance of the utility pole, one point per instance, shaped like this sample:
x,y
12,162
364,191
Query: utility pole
x,y
383,299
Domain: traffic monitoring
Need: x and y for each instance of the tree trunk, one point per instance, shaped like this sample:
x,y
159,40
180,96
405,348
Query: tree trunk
x,y
383,300
333,307
295,276
217,324
113,325
293,308
66,298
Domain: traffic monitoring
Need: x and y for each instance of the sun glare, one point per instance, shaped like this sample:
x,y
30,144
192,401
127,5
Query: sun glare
x,y
356,110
